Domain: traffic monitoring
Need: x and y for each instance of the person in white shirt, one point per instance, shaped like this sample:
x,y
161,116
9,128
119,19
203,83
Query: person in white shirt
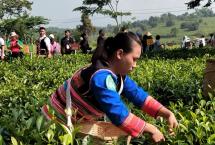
x,y
44,43
186,43
202,42
2,47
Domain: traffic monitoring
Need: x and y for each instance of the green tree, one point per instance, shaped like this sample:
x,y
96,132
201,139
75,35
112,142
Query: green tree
x,y
170,23
104,7
24,25
10,8
195,3
153,21
204,12
86,24
166,17
183,16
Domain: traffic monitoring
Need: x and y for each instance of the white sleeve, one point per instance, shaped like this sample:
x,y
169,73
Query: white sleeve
x,y
1,42
48,43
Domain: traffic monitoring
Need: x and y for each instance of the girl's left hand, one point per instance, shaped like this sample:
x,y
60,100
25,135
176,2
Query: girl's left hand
x,y
172,123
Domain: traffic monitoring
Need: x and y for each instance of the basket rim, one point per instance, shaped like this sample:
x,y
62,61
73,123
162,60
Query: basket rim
x,y
211,60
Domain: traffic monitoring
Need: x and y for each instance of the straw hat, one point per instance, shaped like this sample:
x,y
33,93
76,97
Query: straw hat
x,y
51,36
148,34
13,34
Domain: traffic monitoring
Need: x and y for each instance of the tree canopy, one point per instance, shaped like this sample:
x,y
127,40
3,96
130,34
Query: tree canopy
x,y
23,25
104,7
86,26
14,17
195,3
10,8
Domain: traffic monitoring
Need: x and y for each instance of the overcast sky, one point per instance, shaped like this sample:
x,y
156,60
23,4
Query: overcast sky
x,y
61,14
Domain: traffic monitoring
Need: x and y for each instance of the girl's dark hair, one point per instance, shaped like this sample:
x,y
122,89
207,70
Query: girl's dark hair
x,y
112,44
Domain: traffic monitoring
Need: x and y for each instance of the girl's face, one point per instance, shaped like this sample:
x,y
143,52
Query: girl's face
x,y
127,61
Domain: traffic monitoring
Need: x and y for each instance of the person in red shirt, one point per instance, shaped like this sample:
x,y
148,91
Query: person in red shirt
x,y
15,46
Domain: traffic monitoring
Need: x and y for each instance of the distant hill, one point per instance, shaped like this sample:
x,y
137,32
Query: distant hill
x,y
172,27
206,26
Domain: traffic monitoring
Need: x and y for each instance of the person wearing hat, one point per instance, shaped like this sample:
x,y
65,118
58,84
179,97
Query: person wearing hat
x,y
15,45
149,41
44,44
2,47
55,46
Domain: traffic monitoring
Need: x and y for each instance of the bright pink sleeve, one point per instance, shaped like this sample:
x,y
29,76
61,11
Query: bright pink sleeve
x,y
151,106
133,125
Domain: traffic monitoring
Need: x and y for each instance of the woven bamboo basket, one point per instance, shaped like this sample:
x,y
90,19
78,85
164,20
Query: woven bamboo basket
x,y
103,131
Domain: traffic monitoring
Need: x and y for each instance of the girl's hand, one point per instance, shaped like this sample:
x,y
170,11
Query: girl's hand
x,y
170,117
172,123
156,135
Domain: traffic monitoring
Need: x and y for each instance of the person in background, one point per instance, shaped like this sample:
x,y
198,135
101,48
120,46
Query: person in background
x,y
96,91
2,48
15,46
213,41
144,43
157,44
84,44
186,43
101,39
66,43
43,44
55,46
209,42
149,41
202,41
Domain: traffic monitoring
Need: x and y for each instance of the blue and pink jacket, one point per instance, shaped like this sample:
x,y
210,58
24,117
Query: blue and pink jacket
x,y
98,92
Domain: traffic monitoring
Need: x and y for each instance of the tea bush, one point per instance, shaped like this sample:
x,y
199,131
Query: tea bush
x,y
174,77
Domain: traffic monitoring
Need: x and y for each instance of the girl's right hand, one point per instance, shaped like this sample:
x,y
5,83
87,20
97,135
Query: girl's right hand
x,y
156,135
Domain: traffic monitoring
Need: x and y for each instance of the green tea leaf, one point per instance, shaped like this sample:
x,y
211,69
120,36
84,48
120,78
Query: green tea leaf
x,y
39,122
1,140
50,135
14,141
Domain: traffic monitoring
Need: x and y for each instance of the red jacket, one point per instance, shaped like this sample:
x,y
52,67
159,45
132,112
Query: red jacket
x,y
14,47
